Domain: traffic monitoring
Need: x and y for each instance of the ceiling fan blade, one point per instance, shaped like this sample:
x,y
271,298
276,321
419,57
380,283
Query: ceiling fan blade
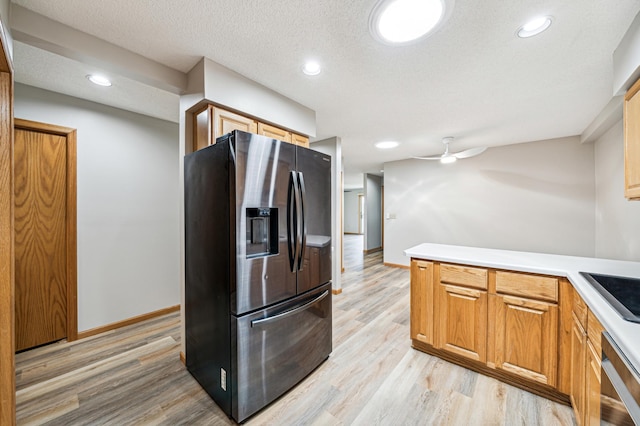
x,y
470,152
428,158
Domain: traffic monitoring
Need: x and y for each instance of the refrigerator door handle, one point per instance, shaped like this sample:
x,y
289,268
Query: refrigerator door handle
x,y
303,220
267,320
292,226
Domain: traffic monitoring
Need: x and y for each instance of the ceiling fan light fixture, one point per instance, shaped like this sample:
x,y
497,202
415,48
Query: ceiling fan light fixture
x,y
448,159
534,26
397,22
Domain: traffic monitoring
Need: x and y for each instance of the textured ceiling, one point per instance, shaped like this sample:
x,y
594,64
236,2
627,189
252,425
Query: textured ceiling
x,y
473,79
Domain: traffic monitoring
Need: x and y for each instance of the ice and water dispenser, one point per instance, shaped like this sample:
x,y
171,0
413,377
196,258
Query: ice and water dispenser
x,y
262,232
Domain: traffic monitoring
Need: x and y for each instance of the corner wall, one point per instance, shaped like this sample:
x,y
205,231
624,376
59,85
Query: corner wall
x,y
535,196
333,147
128,235
617,219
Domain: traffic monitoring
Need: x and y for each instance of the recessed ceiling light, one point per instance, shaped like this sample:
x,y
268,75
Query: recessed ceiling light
x,y
534,26
99,80
311,68
387,144
404,21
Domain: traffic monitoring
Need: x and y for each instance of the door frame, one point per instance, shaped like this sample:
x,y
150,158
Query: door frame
x,y
71,217
7,324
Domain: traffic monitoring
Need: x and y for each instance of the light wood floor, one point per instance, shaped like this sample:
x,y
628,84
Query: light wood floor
x,y
373,377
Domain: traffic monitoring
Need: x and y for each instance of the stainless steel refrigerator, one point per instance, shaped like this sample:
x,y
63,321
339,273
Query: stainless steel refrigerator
x,y
257,268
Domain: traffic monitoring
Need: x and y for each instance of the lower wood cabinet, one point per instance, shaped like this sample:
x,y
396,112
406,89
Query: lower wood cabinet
x,y
526,338
422,303
462,321
578,368
585,363
592,386
505,324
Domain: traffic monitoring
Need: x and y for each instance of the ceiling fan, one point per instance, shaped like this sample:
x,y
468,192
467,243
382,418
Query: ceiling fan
x,y
450,157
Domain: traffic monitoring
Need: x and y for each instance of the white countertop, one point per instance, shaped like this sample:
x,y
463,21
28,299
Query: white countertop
x,y
625,333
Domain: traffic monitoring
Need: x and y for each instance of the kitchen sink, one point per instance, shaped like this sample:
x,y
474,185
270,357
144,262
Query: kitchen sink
x,y
622,293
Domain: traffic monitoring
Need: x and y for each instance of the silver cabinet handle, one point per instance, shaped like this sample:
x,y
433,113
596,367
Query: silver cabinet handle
x,y
285,314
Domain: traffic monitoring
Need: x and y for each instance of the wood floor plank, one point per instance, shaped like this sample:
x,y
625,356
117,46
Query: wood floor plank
x,y
134,375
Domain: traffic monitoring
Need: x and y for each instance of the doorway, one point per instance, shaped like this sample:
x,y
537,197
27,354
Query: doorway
x,y
44,233
360,214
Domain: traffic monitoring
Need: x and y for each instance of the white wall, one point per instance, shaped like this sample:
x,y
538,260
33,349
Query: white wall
x,y
128,231
351,211
626,59
228,88
4,24
617,220
532,197
372,212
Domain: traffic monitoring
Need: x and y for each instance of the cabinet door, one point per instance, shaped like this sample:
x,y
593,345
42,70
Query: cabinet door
x,y
526,338
592,386
202,137
300,140
632,142
274,132
578,368
422,302
462,321
226,121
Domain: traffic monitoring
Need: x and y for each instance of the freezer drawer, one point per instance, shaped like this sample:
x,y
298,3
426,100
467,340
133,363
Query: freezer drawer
x,y
278,347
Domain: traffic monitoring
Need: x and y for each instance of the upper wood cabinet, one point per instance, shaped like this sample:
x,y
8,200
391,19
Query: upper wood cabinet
x,y
632,142
213,121
274,132
226,122
300,140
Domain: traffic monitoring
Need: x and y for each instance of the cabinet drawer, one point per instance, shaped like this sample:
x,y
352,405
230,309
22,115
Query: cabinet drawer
x,y
580,309
464,276
533,286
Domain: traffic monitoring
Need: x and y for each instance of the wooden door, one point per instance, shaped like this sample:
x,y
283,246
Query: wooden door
x,y
578,353
422,303
526,338
7,319
462,321
44,232
632,142
274,132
